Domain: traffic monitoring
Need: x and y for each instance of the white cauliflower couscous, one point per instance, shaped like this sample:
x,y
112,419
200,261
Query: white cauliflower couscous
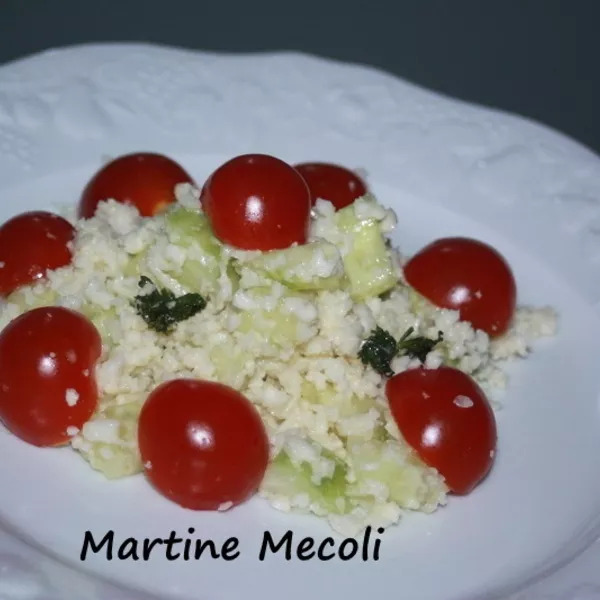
x,y
285,329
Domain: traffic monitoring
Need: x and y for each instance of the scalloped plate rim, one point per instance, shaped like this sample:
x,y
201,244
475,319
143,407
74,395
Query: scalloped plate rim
x,y
523,122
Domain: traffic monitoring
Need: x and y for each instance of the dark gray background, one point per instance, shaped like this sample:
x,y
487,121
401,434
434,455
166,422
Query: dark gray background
x,y
538,58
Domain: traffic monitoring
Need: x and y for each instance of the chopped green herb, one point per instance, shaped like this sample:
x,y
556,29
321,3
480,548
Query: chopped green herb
x,y
162,310
418,347
380,348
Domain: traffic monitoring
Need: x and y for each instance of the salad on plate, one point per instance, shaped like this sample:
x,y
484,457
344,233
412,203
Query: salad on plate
x,y
257,334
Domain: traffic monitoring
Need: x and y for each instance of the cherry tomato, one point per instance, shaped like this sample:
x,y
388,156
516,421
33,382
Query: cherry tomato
x,y
47,382
144,179
202,443
468,276
257,202
30,244
331,182
446,418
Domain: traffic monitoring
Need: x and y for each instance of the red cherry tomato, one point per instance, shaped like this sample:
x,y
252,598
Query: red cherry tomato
x,y
144,179
203,444
47,382
331,182
30,244
444,415
257,202
468,276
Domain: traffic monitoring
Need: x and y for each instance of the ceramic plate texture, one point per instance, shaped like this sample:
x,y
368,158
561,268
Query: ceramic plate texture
x,y
447,168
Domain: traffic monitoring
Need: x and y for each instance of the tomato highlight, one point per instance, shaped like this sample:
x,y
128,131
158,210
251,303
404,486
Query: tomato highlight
x,y
257,202
469,276
446,418
47,384
203,444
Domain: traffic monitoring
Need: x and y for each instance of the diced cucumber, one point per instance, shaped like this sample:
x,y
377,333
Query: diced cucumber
x,y
198,276
116,460
418,304
401,472
274,323
278,328
101,318
367,263
133,268
189,228
26,300
186,227
233,276
380,434
310,393
313,266
283,478
112,460
229,362
127,414
348,404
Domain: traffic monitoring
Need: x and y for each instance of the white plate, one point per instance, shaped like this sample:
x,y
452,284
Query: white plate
x,y
447,168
